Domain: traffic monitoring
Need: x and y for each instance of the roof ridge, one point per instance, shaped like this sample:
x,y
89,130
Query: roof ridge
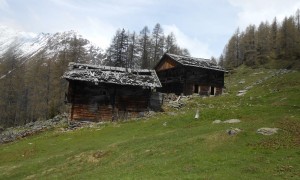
x,y
196,62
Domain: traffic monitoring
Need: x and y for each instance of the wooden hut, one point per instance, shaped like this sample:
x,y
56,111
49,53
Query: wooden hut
x,y
187,75
99,93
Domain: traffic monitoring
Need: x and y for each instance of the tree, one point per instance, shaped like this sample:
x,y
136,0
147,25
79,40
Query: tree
x,y
232,53
117,53
157,42
221,60
250,46
287,39
122,46
144,48
297,19
77,49
133,57
170,44
274,38
263,39
213,59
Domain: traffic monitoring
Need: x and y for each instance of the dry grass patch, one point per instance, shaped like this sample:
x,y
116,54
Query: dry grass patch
x,y
90,157
218,139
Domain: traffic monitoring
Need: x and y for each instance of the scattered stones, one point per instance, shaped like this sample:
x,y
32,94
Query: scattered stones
x,y
175,104
233,131
267,131
12,134
170,97
150,113
260,81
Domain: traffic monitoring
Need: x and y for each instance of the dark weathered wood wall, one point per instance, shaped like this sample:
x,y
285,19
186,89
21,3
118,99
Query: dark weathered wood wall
x,y
188,80
106,102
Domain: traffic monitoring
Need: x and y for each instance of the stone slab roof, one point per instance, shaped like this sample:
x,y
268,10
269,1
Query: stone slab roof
x,y
112,75
196,62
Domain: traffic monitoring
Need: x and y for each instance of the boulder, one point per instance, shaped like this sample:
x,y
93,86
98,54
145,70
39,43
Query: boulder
x,y
267,131
241,93
233,131
242,82
217,122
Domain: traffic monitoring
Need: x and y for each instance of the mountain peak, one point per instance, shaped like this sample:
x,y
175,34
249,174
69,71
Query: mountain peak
x,y
28,44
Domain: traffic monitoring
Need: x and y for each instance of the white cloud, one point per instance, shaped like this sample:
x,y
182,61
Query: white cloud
x,y
98,32
4,5
65,3
196,48
256,11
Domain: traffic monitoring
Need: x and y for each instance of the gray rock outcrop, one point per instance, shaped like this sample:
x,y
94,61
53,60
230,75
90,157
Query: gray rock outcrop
x,y
267,131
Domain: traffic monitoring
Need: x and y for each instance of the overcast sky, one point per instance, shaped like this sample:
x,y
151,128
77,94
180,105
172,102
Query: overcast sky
x,y
202,26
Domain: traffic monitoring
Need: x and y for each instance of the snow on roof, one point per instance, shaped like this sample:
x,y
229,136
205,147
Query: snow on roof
x,y
112,75
196,62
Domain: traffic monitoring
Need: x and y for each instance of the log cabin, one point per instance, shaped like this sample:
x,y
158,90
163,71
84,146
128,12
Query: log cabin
x,y
104,93
188,75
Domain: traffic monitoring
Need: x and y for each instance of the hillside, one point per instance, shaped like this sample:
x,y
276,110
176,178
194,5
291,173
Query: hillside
x,y
31,66
173,144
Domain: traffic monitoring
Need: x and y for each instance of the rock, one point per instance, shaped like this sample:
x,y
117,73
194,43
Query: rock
x,y
231,121
175,104
150,113
197,114
217,122
241,93
170,97
242,82
267,131
248,87
165,124
233,131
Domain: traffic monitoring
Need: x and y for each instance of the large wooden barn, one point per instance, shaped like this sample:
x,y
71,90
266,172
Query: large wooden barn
x,y
187,75
99,93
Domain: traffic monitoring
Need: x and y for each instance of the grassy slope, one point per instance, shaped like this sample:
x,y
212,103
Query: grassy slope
x,y
184,148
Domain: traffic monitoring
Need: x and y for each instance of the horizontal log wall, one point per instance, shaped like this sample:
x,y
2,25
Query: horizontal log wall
x,y
189,89
182,79
109,102
219,91
204,90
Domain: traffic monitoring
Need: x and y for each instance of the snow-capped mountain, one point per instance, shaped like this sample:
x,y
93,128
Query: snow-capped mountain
x,y
26,44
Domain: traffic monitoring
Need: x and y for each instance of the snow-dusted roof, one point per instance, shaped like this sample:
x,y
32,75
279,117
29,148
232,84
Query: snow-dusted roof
x,y
196,62
112,75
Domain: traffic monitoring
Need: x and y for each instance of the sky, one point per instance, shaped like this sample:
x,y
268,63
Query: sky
x,y
202,26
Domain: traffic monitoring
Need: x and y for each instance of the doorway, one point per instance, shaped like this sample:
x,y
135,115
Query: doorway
x,y
196,89
212,90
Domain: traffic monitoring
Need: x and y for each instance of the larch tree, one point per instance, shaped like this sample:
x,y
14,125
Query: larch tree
x,y
144,47
157,43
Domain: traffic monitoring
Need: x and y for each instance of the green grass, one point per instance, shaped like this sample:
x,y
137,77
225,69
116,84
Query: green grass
x,y
183,149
